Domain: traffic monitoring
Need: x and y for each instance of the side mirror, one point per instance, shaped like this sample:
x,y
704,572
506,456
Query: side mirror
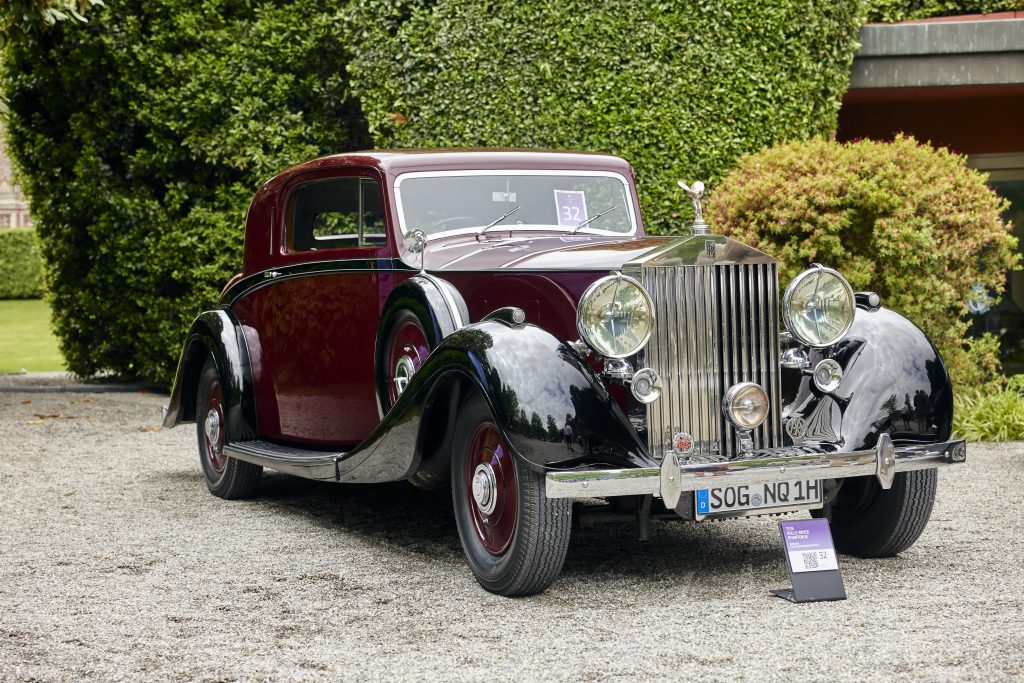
x,y
416,243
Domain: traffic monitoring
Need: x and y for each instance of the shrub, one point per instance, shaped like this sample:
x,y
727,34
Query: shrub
x,y
141,137
901,10
992,412
20,266
903,219
680,89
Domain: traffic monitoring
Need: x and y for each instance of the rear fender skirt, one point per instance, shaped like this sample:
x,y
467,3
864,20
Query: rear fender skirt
x,y
533,383
216,334
894,382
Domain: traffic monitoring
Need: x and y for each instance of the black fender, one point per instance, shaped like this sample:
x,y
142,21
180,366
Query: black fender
x,y
533,383
218,335
894,382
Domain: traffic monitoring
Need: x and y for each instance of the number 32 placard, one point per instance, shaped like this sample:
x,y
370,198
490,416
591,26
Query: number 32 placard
x,y
572,207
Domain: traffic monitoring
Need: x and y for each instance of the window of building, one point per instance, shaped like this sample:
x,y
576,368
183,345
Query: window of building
x,y
335,213
1006,319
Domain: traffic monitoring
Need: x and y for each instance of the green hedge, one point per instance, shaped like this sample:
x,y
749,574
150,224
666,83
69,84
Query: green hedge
x,y
680,89
142,134
902,10
20,265
910,222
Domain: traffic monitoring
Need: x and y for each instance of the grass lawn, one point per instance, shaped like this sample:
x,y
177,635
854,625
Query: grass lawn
x,y
26,341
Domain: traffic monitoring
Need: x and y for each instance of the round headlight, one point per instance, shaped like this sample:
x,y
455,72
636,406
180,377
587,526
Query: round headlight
x,y
745,405
615,316
818,307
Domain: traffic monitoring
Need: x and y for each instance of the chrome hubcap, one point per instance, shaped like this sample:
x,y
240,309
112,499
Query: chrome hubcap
x,y
404,370
212,427
485,488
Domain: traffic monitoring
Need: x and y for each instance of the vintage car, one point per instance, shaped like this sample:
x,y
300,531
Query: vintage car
x,y
500,321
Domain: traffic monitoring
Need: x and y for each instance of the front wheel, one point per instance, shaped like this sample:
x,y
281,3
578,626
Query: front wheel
x,y
869,521
514,536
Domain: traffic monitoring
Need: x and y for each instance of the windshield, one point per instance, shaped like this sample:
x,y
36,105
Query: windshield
x,y
470,201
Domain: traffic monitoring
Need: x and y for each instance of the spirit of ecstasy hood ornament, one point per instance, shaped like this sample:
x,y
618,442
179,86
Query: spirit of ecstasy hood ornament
x,y
699,227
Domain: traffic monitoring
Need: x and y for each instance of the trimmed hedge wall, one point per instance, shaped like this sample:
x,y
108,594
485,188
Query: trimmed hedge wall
x,y
680,89
908,221
142,134
20,265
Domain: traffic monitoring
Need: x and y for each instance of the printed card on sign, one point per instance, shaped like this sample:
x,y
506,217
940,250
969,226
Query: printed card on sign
x,y
809,546
571,206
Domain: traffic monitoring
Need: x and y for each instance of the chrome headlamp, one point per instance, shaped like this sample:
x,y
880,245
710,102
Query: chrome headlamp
x,y
818,307
745,405
615,316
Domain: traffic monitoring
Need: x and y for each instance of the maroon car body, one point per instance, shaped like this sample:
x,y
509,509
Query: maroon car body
x,y
303,400
383,327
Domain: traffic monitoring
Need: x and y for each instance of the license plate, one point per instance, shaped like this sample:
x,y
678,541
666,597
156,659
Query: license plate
x,y
758,498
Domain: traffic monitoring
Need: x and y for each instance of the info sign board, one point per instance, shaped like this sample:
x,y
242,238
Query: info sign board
x,y
811,562
571,206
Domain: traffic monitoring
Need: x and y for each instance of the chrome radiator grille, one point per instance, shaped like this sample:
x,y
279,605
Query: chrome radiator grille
x,y
715,326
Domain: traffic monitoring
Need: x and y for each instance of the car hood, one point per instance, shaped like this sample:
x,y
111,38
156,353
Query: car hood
x,y
542,252
583,253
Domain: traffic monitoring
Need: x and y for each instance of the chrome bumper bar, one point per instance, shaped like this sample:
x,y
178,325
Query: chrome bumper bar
x,y
677,475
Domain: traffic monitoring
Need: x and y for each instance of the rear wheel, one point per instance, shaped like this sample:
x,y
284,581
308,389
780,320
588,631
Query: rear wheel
x,y
407,343
515,538
869,521
226,477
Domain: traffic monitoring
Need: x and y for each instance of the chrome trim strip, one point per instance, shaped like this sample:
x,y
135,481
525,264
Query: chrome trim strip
x,y
251,283
781,464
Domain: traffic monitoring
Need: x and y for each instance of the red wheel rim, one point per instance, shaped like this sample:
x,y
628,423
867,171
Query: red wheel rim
x,y
489,465
408,350
213,427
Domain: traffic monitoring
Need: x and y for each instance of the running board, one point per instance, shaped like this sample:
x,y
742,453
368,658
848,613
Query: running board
x,y
302,462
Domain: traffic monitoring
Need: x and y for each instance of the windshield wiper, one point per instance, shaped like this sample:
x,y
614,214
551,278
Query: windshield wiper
x,y
592,219
495,222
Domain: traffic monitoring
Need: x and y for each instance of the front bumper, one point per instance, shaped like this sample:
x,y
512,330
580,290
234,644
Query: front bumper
x,y
677,475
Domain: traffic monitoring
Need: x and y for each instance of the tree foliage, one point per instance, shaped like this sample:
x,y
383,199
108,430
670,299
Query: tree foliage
x,y
20,17
142,135
910,222
680,89
140,161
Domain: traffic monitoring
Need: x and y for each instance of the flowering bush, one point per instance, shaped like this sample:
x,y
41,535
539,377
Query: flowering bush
x,y
910,222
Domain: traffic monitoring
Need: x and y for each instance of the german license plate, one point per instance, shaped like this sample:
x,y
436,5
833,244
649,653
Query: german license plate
x,y
758,498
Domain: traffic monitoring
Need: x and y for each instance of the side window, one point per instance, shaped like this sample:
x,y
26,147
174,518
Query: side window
x,y
333,213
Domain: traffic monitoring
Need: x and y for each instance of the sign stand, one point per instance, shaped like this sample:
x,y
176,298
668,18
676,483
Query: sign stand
x,y
811,562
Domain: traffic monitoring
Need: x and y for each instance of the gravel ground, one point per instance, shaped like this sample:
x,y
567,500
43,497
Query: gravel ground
x,y
117,564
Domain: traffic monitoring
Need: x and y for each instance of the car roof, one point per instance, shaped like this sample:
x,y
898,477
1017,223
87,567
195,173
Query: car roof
x,y
396,162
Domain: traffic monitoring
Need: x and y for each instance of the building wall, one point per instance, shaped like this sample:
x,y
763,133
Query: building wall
x,y
13,206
